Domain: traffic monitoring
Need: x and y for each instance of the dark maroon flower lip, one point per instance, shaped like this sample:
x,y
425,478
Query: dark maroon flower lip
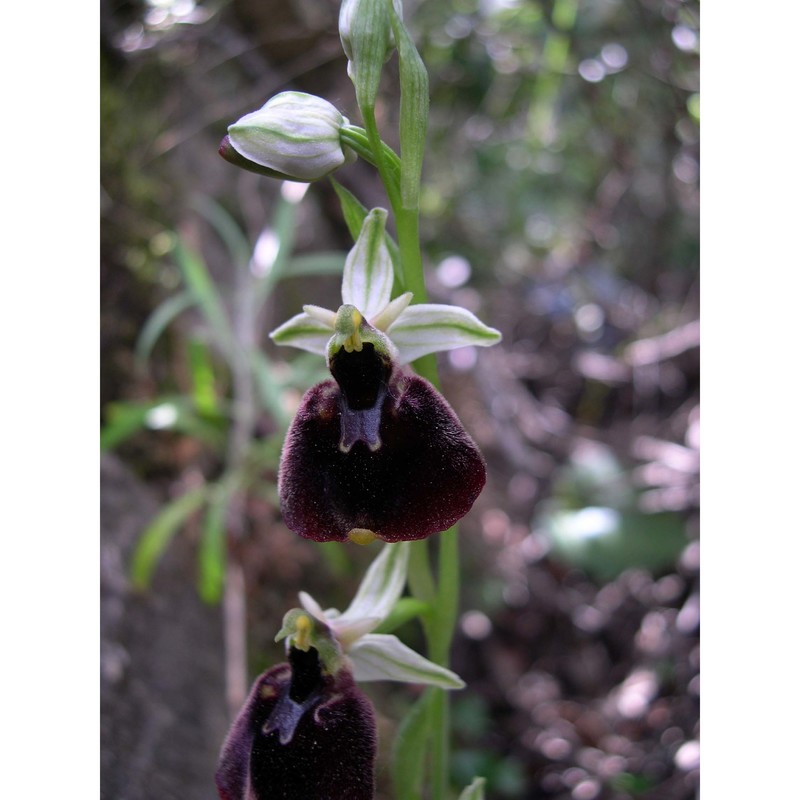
x,y
302,734
381,452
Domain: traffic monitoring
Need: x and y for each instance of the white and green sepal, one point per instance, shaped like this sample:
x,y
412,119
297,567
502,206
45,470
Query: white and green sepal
x,y
379,656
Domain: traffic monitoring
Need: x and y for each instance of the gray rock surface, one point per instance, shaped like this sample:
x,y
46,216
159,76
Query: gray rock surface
x,y
163,714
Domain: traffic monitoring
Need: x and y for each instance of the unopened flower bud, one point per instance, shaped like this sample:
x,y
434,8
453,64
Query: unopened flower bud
x,y
367,40
352,12
294,134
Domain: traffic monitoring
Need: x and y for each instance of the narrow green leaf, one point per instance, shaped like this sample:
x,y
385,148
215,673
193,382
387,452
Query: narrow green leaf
x,y
315,264
268,388
163,315
160,532
353,211
204,392
284,227
414,104
206,296
335,557
213,551
123,420
227,228
475,791
411,745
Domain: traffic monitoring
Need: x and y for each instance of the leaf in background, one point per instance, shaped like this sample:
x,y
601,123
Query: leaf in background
x,y
159,321
316,264
353,211
411,745
123,420
206,296
269,389
283,231
204,392
336,558
604,542
160,532
229,231
126,418
213,552
475,791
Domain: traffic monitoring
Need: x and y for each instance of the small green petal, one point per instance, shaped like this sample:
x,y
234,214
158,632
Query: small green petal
x,y
389,315
323,315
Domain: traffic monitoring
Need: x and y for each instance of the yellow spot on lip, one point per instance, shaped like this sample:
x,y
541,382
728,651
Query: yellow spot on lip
x,y
302,636
348,324
361,536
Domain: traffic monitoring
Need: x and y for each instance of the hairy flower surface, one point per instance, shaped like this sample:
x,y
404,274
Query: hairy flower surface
x,y
377,451
302,734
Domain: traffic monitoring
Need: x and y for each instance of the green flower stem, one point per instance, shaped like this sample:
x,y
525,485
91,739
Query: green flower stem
x,y
440,628
443,598
357,140
439,720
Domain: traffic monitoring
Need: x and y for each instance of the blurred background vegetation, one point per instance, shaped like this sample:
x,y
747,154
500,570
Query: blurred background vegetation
x,y
561,205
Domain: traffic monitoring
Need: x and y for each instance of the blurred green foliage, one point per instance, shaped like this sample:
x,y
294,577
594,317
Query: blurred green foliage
x,y
593,522
232,383
563,132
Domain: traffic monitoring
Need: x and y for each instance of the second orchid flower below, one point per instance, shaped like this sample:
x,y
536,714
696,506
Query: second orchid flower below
x,y
377,451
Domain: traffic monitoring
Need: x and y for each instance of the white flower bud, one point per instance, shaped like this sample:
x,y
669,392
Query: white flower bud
x,y
295,134
350,10
366,33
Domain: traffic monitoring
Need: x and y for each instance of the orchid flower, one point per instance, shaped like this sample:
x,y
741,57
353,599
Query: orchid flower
x,y
306,730
376,656
377,451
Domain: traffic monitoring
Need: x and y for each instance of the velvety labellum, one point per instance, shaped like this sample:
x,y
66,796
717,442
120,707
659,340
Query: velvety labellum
x,y
403,468
301,735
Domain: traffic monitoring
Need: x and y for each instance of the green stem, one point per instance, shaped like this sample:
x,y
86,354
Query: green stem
x,y
357,140
440,750
388,171
443,598
440,628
